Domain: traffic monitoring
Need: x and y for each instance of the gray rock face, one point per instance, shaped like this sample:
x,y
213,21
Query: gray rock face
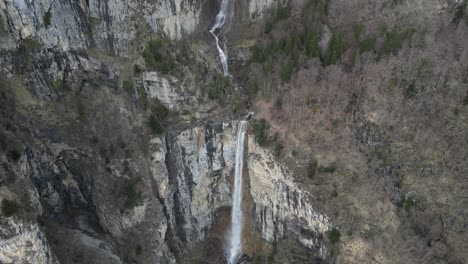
x,y
115,26
199,162
196,182
23,242
282,210
168,91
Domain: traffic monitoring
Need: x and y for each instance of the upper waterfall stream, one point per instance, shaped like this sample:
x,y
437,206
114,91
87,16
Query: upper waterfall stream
x,y
235,234
219,23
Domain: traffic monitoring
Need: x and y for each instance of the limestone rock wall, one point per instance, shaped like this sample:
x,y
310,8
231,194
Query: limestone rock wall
x,y
23,242
282,209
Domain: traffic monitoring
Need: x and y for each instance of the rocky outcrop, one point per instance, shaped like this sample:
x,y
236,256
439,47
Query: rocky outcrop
x,y
282,210
257,7
199,162
23,242
167,90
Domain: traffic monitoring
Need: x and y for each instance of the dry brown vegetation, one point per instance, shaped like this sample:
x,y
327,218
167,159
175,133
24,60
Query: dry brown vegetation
x,y
389,115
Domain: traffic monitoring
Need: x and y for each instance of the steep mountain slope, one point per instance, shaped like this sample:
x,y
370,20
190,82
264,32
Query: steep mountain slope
x,y
117,131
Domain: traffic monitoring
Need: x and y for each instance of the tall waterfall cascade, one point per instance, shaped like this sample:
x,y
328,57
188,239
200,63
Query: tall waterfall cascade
x,y
219,23
235,234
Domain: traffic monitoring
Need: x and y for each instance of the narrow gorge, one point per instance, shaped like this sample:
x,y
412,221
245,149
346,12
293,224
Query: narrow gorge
x,y
233,132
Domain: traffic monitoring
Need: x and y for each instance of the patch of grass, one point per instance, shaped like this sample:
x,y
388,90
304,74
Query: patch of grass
x,y
47,18
159,114
334,236
9,207
128,86
260,130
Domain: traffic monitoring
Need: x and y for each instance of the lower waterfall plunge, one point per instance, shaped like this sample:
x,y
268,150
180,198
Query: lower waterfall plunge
x,y
235,234
219,22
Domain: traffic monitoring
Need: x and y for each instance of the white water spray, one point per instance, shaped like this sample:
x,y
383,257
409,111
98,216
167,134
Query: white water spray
x,y
219,22
235,235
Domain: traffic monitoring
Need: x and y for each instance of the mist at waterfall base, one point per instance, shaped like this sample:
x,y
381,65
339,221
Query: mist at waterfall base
x,y
219,23
234,236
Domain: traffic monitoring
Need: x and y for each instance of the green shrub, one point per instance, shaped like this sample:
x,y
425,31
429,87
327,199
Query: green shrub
x,y
411,91
311,45
329,169
268,25
138,249
128,87
334,236
460,11
287,70
57,83
221,86
367,44
158,55
252,88
130,193
368,233
335,49
283,11
48,18
312,168
278,150
14,154
80,106
159,114
393,41
358,28
465,100
260,130
143,97
9,207
335,124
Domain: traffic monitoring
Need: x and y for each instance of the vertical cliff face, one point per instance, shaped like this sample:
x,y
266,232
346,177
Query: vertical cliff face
x,y
282,209
199,163
196,181
116,26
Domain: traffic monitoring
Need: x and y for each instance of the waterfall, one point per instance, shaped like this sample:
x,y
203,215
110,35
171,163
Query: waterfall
x,y
235,235
219,22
